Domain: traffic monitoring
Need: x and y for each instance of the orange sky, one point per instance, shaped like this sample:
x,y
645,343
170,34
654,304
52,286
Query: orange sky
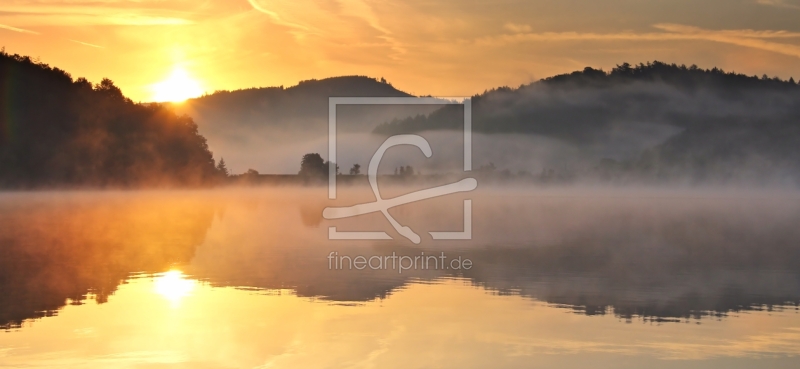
x,y
446,47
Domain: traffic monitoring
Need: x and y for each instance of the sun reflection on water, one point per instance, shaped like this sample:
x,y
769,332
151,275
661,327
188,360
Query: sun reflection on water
x,y
173,286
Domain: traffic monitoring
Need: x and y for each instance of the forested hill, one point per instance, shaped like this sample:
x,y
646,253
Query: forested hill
x,y
300,96
302,106
56,131
723,125
266,128
581,105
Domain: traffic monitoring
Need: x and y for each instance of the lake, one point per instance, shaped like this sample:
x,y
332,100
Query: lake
x,y
248,278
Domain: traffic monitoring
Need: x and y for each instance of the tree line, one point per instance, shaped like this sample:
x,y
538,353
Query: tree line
x,y
59,131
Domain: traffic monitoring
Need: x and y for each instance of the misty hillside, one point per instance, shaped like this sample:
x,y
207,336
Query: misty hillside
x,y
250,127
270,105
582,106
700,124
654,122
56,131
300,107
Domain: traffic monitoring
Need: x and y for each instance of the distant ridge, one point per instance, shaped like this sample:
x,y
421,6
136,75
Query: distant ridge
x,y
338,86
707,124
273,105
581,104
250,127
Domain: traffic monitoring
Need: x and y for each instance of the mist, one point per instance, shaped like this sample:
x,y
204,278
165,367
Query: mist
x,y
638,253
652,124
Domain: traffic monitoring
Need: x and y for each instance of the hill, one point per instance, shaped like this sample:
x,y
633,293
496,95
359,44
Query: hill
x,y
653,122
57,131
262,128
703,123
301,107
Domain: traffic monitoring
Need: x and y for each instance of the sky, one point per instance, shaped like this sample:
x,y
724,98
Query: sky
x,y
441,48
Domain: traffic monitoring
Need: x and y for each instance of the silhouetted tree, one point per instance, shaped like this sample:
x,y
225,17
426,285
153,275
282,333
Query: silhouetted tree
x,y
312,165
404,170
222,168
107,87
487,168
355,170
327,166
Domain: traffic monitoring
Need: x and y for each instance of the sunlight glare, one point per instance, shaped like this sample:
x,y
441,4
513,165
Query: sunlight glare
x,y
178,87
173,286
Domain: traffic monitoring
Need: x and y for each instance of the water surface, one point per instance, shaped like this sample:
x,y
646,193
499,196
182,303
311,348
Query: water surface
x,y
242,279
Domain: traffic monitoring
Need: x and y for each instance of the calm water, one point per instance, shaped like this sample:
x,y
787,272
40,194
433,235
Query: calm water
x,y
243,279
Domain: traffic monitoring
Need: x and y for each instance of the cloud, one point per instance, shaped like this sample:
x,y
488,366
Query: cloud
x,y
87,44
517,28
301,14
144,20
779,3
335,22
742,33
281,20
362,10
15,29
756,39
747,38
91,13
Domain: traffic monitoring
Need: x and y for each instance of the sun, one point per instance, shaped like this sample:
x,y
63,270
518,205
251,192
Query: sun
x,y
178,87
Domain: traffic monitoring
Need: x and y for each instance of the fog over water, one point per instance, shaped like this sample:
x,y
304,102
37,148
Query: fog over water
x,y
280,152
716,257
640,252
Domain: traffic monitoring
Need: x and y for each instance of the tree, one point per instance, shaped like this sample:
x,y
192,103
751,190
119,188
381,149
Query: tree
x,y
222,168
404,170
355,170
625,68
251,172
488,168
327,166
312,165
106,86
